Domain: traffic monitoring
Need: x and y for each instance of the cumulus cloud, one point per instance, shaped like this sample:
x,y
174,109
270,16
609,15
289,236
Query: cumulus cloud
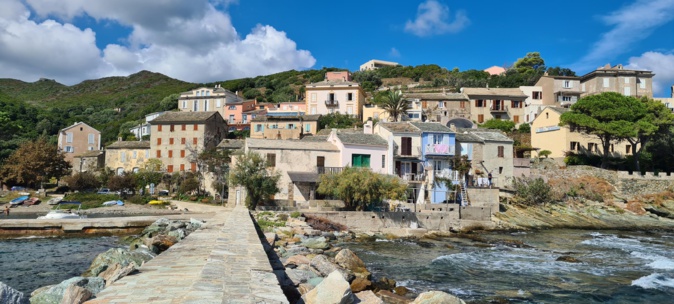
x,y
662,64
629,25
189,40
433,19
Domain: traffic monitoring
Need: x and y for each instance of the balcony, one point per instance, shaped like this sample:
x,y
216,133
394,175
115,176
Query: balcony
x,y
332,103
412,177
329,170
439,149
498,109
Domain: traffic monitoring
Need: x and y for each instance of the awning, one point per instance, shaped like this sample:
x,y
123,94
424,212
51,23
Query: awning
x,y
408,158
303,177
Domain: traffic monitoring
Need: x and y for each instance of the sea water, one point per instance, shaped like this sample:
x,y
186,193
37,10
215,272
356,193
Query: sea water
x,y
614,267
28,263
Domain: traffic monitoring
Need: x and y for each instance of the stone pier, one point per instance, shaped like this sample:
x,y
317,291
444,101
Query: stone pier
x,y
224,262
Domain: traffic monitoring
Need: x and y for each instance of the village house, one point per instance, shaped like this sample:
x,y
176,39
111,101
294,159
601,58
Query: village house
x,y
336,94
496,103
144,129
127,156
78,139
441,106
533,104
375,64
559,91
628,82
89,161
284,127
178,137
490,152
205,99
361,149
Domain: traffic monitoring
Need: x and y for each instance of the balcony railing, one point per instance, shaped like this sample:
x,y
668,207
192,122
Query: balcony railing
x,y
331,103
329,170
412,177
499,109
439,149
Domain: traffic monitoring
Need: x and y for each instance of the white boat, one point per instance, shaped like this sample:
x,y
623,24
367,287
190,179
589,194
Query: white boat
x,y
61,214
113,203
54,201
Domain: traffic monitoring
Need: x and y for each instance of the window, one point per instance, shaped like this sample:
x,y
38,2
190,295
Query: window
x,y
69,137
441,104
147,154
611,148
627,80
320,161
69,149
91,139
231,108
183,127
206,105
307,128
516,119
313,110
628,149
158,128
172,128
194,141
575,146
437,165
231,118
480,118
291,126
567,84
158,153
331,97
360,160
383,161
195,107
182,141
193,167
196,127
642,83
537,95
592,147
566,98
184,104
259,128
437,139
349,110
501,151
582,87
218,103
627,91
479,103
182,153
515,104
606,82
171,141
313,97
169,168
135,169
170,153
271,160
134,155
182,167
462,104
406,146
349,96
244,118
159,141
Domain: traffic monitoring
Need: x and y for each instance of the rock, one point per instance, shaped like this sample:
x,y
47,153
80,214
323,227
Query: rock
x,y
157,227
295,250
271,238
316,243
333,289
401,290
283,278
315,281
196,224
298,276
76,295
179,234
385,284
175,225
54,294
360,284
437,297
325,267
368,297
160,243
568,259
116,272
350,261
117,255
297,260
392,298
304,288
10,295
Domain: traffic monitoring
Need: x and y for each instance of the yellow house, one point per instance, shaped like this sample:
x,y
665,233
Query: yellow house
x,y
547,134
127,156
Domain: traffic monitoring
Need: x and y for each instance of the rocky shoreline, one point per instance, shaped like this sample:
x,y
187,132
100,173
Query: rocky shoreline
x,y
312,269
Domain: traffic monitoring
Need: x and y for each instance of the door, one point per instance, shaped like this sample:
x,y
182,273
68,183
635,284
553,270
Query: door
x,y
238,196
320,161
406,146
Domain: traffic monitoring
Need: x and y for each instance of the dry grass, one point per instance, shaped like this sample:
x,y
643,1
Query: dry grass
x,y
587,187
636,208
658,198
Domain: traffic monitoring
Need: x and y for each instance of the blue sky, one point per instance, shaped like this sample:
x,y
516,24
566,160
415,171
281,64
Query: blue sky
x,y
202,40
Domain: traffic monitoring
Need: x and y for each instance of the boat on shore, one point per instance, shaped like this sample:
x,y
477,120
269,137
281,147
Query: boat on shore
x,y
62,214
18,201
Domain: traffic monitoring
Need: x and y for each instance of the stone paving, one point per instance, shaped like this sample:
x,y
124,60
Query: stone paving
x,y
224,262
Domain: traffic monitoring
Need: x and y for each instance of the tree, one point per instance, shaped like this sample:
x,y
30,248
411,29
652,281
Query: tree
x,y
337,120
124,183
251,172
396,105
82,181
217,162
503,125
530,64
34,162
656,121
609,116
559,71
544,153
359,187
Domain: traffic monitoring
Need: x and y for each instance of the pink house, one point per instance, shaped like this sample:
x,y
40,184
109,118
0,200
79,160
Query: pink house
x,y
495,70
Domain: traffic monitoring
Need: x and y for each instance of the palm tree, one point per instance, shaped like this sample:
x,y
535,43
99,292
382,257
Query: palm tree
x,y
395,105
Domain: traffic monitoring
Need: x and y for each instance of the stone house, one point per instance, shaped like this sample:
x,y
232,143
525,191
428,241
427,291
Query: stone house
x,y
496,103
89,161
490,151
127,156
205,99
284,127
78,139
636,83
440,107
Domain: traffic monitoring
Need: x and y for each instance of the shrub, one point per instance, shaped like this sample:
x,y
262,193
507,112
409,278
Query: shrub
x,y
587,187
295,214
205,200
139,199
91,200
532,191
282,217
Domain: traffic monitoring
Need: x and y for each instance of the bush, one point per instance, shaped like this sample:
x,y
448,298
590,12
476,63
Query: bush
x,y
282,217
295,214
524,128
91,200
139,199
532,191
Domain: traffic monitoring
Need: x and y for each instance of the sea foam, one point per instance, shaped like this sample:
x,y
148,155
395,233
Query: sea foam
x,y
654,281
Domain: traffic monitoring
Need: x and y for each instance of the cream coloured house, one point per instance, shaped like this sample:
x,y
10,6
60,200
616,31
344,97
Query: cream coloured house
x,y
127,156
498,103
375,64
628,82
337,93
284,127
205,99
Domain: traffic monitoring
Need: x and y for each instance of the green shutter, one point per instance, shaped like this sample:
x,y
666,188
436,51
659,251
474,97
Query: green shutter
x,y
356,160
366,161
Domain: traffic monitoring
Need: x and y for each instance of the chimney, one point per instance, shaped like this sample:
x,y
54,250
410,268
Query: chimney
x,y
367,127
452,127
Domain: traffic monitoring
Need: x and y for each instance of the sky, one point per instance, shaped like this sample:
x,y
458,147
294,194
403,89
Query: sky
x,y
214,40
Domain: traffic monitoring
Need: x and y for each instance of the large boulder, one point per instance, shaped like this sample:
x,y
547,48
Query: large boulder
x,y
296,260
76,295
392,298
350,261
119,256
333,290
160,243
299,276
323,265
368,297
437,297
116,272
159,226
360,284
54,294
316,243
9,295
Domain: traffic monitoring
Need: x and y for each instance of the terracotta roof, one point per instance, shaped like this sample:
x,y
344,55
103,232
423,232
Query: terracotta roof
x,y
361,139
169,117
288,118
129,145
432,127
494,92
436,96
231,143
400,127
289,144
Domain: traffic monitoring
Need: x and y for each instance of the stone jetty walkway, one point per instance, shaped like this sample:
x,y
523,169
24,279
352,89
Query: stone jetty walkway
x,y
224,262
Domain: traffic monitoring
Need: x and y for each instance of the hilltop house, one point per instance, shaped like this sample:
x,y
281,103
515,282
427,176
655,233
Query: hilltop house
x,y
337,93
617,79
78,139
375,64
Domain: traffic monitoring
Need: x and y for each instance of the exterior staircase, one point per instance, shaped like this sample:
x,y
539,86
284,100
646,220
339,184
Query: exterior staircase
x,y
464,194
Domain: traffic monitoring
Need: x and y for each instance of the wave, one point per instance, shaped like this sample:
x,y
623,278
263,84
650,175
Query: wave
x,y
654,281
658,261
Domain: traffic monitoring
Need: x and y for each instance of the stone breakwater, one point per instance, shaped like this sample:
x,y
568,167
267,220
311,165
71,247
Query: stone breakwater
x,y
112,265
313,270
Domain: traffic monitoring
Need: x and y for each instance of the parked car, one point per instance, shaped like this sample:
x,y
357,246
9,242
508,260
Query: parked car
x,y
163,193
18,188
107,191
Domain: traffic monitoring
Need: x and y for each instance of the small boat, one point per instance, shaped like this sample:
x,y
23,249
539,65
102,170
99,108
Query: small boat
x,y
31,201
18,201
54,201
113,203
60,214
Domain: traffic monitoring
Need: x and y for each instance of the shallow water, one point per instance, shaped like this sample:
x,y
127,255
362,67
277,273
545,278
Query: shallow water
x,y
28,263
615,267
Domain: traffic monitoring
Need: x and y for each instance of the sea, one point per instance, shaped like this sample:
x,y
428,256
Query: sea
x,y
522,267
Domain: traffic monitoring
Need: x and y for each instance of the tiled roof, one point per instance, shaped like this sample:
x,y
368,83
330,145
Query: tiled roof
x,y
327,131
332,83
400,127
129,145
494,92
467,137
231,143
169,117
289,144
559,110
487,134
361,139
288,118
432,127
436,96
89,154
315,138
303,177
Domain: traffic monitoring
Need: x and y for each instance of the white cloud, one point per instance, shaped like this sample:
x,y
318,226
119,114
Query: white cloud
x,y
433,19
630,24
188,40
662,64
394,53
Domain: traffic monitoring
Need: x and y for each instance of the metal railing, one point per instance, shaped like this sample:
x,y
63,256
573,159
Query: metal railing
x,y
332,103
329,170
